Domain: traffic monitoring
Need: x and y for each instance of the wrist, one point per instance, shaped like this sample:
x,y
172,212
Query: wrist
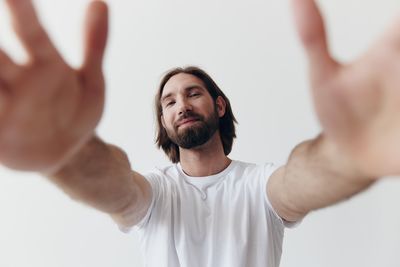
x,y
339,160
69,155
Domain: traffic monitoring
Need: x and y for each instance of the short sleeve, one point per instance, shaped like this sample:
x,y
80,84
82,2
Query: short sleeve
x,y
153,179
269,169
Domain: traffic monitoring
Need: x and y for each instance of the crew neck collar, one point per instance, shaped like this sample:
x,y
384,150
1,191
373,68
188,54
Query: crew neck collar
x,y
205,179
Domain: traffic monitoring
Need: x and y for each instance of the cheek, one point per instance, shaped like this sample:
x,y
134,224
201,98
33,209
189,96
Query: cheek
x,y
167,122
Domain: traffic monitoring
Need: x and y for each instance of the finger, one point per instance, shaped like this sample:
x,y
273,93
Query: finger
x,y
96,32
8,69
29,30
311,29
392,34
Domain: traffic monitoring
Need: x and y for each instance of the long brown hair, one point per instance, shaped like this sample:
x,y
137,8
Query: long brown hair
x,y
226,123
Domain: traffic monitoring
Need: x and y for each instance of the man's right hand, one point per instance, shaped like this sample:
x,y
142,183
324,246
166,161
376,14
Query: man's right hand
x,y
47,109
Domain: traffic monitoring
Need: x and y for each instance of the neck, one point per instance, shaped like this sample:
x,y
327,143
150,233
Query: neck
x,y
205,160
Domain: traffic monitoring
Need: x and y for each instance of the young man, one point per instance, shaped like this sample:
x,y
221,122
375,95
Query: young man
x,y
206,210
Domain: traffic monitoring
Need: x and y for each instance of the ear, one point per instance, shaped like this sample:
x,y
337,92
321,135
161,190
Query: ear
x,y
221,106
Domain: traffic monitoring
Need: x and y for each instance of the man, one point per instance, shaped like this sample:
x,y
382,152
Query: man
x,y
207,210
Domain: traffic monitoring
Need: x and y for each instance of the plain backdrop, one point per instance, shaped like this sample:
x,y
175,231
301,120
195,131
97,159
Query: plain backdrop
x,y
252,50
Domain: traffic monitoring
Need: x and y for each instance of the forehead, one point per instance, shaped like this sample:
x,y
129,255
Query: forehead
x,y
180,82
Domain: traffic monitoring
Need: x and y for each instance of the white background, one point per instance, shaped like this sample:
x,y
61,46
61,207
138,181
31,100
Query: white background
x,y
251,49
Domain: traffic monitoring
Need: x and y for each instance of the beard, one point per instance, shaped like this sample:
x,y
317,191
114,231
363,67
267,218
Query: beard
x,y
197,134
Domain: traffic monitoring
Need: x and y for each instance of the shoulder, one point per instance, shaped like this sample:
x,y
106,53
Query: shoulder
x,y
163,171
162,176
263,169
253,175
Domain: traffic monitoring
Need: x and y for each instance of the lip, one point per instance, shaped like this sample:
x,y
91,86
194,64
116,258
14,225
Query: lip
x,y
186,121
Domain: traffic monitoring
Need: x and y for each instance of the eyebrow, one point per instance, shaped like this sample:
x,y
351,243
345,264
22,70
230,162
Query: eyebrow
x,y
189,88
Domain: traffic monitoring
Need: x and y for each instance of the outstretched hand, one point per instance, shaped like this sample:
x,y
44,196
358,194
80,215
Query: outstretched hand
x,y
358,104
47,109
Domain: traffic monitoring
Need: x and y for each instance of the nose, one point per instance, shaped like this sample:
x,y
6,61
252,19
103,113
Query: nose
x,y
184,106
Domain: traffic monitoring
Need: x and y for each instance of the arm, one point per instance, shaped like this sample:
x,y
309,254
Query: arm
x,y
357,103
316,175
48,114
358,107
100,175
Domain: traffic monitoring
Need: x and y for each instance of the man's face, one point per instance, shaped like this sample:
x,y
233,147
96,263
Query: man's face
x,y
190,115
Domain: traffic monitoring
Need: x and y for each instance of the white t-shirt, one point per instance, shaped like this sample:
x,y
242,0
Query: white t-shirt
x,y
223,220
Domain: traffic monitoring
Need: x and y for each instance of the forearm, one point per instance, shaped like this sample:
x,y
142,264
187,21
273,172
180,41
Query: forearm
x,y
317,175
99,175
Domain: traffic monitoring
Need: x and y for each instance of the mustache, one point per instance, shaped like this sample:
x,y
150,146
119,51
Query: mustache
x,y
188,115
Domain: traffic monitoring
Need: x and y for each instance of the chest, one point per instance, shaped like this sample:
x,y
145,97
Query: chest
x,y
219,211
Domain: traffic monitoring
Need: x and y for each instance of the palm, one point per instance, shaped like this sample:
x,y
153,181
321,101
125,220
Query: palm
x,y
49,109
357,104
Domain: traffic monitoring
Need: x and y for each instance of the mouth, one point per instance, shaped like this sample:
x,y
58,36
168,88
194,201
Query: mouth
x,y
187,121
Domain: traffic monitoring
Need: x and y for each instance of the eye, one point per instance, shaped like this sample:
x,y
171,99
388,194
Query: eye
x,y
194,94
170,103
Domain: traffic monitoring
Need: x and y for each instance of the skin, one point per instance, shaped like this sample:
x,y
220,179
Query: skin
x,y
66,103
49,111
209,158
357,103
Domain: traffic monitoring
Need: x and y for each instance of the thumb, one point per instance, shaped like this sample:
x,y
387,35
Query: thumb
x,y
311,29
96,32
